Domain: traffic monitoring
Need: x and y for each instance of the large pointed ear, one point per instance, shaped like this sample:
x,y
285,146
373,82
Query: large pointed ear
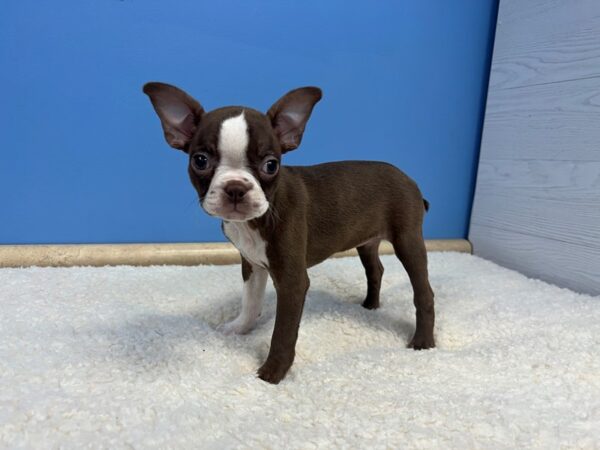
x,y
290,113
178,112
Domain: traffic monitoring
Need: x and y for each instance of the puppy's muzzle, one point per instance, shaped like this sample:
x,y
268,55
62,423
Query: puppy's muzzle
x,y
236,190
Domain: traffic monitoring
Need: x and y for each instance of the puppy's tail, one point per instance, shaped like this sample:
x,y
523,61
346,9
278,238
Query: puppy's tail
x,y
426,204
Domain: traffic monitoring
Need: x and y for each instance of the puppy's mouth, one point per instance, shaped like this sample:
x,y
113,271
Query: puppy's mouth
x,y
237,212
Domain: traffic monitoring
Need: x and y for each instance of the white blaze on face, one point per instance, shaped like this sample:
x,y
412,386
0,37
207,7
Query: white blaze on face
x,y
233,166
233,141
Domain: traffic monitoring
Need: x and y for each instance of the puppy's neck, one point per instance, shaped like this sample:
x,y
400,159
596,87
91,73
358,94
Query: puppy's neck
x,y
247,238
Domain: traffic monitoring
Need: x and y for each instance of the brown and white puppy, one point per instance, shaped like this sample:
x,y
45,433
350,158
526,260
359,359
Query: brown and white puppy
x,y
285,219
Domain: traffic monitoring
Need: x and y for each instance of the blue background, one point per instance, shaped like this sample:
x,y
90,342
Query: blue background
x,y
82,156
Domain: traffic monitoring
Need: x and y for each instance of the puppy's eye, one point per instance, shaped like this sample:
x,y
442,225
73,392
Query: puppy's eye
x,y
200,162
270,166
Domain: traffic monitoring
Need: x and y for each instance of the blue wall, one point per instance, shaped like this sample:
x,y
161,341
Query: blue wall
x,y
82,157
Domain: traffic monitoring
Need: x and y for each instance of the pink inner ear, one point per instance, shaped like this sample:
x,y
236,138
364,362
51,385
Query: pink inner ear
x,y
179,130
175,112
288,129
289,141
187,125
294,117
178,112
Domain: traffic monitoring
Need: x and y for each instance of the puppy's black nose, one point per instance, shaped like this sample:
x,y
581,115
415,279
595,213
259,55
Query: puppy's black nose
x,y
236,190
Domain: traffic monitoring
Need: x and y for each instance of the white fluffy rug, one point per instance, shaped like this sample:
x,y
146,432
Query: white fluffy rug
x,y
129,357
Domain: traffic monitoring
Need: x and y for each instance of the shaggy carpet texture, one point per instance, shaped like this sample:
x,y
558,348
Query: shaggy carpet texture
x,y
124,357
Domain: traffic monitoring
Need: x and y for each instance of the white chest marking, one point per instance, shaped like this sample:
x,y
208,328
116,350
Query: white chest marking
x,y
248,241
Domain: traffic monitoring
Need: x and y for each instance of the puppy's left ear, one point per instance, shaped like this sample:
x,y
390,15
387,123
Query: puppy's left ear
x,y
290,113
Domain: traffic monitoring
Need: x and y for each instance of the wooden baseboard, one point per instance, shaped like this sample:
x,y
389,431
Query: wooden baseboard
x,y
191,254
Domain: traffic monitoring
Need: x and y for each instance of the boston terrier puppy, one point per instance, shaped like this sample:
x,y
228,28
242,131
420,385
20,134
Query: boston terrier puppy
x,y
285,219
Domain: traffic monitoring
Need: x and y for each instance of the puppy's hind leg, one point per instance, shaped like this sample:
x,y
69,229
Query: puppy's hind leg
x,y
369,256
410,250
255,281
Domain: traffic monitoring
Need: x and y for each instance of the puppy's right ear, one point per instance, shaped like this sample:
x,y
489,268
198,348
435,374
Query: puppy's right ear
x,y
178,112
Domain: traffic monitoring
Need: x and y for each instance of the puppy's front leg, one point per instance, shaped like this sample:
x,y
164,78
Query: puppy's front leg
x,y
291,290
255,281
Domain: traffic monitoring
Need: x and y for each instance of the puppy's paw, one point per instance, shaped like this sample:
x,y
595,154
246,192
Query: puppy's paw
x,y
273,372
370,303
422,341
236,326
